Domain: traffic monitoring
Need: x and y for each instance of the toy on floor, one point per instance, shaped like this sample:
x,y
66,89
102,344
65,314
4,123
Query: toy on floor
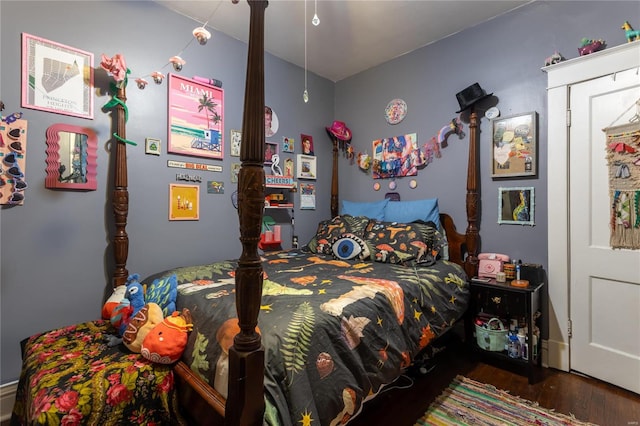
x,y
629,32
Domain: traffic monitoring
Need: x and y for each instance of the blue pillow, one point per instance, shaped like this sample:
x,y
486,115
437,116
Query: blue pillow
x,y
410,211
372,209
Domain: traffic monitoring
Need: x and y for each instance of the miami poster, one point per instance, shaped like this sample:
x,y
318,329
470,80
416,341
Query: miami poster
x,y
196,119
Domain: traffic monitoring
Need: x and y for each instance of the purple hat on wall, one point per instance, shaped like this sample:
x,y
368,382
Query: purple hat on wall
x,y
470,96
340,131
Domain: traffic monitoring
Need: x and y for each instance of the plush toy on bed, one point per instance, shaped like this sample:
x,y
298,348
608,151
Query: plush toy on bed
x,y
161,295
166,342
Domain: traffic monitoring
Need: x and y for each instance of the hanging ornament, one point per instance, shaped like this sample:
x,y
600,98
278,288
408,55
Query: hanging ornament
x,y
157,77
142,83
202,35
315,21
177,62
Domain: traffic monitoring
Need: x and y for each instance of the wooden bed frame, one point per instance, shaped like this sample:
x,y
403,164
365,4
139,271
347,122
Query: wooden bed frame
x,y
199,402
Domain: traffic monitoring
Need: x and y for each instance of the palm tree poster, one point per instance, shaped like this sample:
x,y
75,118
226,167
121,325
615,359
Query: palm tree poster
x,y
196,124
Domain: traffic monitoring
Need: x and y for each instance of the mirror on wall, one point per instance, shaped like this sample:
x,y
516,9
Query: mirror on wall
x,y
71,157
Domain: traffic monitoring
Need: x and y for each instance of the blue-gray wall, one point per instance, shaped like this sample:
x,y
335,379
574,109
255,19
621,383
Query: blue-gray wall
x,y
56,256
55,250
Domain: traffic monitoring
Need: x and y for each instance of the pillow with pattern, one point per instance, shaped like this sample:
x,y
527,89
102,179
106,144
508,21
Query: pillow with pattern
x,y
349,247
403,243
328,230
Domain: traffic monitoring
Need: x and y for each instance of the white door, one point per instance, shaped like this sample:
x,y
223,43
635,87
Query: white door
x,y
604,298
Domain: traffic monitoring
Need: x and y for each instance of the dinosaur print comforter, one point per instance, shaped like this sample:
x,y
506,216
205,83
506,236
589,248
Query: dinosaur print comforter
x,y
335,332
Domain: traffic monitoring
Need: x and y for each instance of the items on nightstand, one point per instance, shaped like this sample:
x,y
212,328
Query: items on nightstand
x,y
490,264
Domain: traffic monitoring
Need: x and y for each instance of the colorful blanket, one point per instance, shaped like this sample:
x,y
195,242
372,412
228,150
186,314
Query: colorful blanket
x,y
335,332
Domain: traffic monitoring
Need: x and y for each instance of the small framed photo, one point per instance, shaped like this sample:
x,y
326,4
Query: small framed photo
x,y
306,167
235,171
236,142
56,78
288,167
288,144
152,146
184,202
270,149
516,205
515,145
307,144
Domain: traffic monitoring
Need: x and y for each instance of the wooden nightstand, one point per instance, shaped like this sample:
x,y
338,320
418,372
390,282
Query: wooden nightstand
x,y
504,301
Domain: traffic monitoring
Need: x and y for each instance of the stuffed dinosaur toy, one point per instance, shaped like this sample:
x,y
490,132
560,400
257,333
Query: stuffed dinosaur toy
x,y
161,292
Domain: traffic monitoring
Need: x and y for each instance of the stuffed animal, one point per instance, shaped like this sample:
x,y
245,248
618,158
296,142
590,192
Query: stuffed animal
x,y
166,342
140,325
127,317
113,301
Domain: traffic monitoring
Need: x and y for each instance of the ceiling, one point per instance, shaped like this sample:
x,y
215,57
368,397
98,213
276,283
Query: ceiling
x,y
353,35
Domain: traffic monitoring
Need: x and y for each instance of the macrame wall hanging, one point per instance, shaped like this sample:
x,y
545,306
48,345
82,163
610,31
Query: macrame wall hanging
x,y
623,159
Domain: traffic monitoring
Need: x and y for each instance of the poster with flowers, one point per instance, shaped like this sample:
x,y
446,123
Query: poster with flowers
x,y
196,119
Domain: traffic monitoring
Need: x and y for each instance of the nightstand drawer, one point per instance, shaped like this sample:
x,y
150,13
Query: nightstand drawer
x,y
500,302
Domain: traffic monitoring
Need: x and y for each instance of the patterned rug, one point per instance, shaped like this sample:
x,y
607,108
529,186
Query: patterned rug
x,y
467,402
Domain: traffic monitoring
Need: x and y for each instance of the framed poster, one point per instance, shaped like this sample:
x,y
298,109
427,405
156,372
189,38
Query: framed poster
x,y
516,206
184,202
307,144
196,118
270,149
514,147
306,166
56,78
236,142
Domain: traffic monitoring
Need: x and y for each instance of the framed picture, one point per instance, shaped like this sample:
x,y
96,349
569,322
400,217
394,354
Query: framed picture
x,y
235,171
196,118
236,142
306,166
270,149
184,202
152,146
307,144
288,167
515,145
56,78
516,206
288,144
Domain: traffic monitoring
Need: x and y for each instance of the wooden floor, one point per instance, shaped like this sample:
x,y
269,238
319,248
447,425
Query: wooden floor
x,y
586,398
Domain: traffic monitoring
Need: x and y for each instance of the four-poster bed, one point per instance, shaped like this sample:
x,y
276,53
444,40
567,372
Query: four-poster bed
x,y
245,403
256,284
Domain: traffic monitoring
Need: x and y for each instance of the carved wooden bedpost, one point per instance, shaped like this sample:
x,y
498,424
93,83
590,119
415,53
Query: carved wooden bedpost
x,y
334,178
120,198
472,234
245,402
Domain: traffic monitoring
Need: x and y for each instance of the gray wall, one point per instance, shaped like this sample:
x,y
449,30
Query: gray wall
x,y
56,255
55,249
505,56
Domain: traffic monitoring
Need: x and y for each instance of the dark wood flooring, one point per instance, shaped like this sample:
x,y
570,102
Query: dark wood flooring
x,y
586,398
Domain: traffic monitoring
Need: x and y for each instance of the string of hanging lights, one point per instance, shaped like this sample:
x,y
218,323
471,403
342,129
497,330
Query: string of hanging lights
x,y
201,35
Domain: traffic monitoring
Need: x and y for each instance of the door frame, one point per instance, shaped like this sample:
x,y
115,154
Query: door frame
x,y
560,77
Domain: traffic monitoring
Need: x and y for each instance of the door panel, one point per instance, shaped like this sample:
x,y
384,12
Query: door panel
x,y
604,283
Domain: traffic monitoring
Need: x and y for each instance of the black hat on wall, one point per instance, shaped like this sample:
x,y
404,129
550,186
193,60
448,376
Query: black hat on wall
x,y
470,96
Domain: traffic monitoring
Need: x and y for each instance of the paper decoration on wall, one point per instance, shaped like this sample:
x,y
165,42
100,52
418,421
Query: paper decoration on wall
x,y
623,159
396,156
13,146
395,111
307,196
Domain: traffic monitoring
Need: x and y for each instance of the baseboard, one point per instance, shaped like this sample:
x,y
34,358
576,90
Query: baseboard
x,y
558,355
7,398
